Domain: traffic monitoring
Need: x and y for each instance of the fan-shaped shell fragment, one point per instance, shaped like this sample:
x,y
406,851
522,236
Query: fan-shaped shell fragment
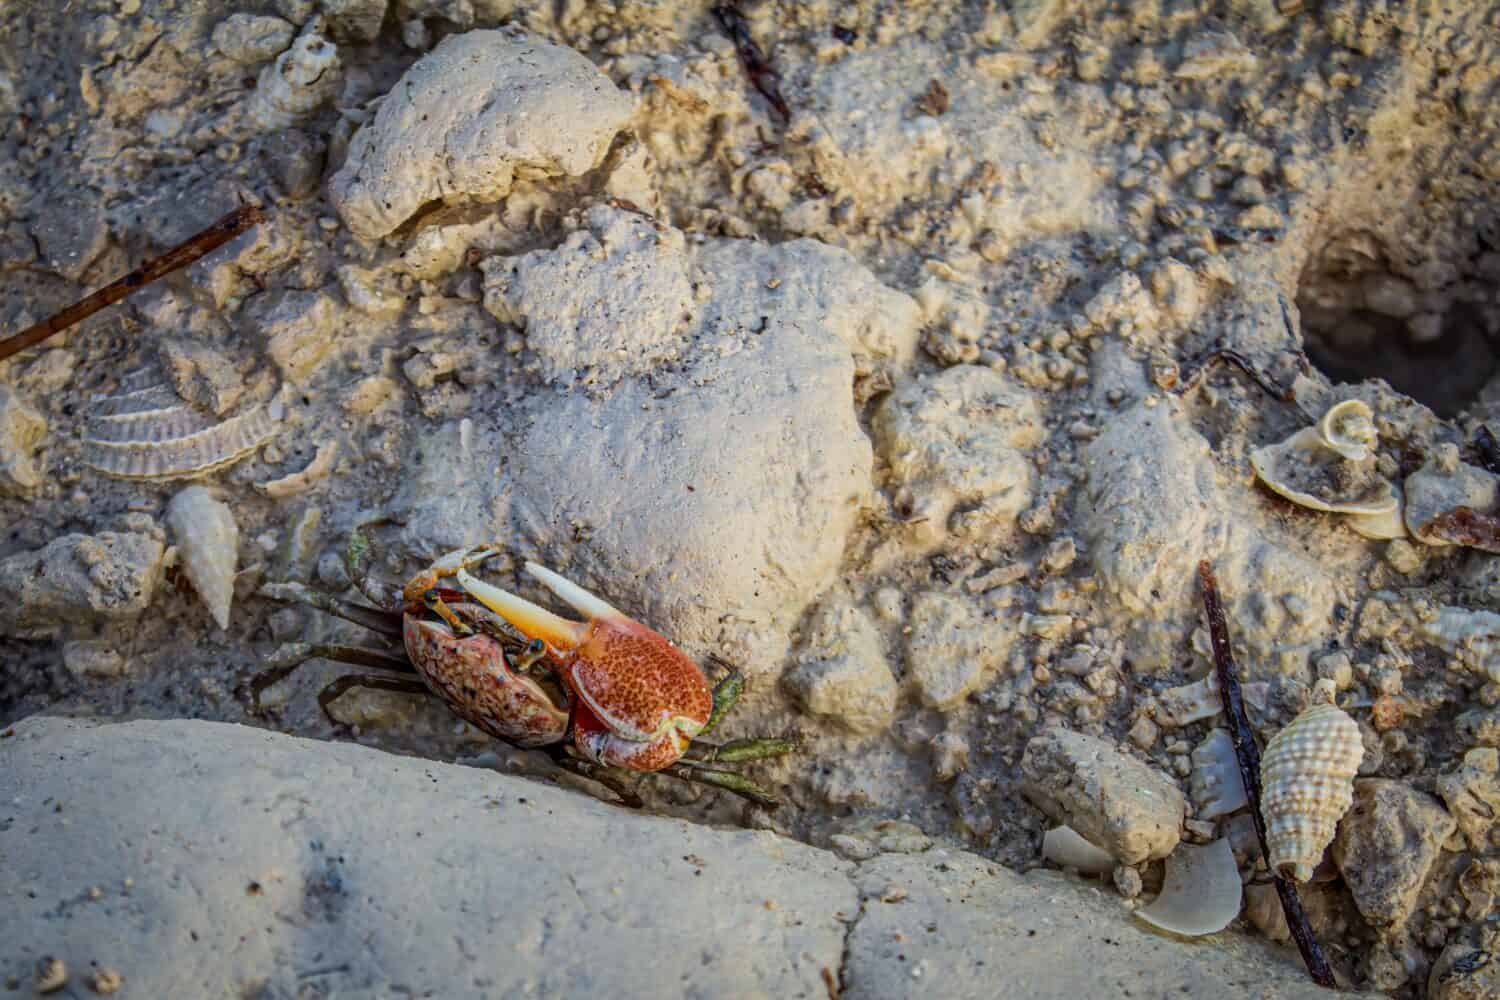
x,y
1307,777
208,541
145,431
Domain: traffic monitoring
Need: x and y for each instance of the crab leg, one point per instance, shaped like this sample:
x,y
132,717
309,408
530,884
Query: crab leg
x,y
729,781
291,655
385,622
726,693
381,682
740,751
610,777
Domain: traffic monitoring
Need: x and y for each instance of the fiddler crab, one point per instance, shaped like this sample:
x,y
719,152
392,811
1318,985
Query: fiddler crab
x,y
604,697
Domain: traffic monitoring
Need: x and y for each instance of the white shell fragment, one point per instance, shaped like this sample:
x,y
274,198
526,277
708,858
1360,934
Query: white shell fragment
x,y
145,431
1348,428
304,479
1330,466
208,540
1442,484
1307,778
467,120
301,80
1381,527
1067,848
1201,893
1215,784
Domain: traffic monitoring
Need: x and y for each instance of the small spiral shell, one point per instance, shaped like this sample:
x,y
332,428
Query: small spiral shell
x,y
208,541
1307,779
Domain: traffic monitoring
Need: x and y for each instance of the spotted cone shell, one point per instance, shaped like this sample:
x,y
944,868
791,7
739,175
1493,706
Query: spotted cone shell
x,y
1307,784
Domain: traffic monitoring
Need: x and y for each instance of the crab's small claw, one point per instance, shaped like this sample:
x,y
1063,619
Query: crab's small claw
x,y
582,601
557,632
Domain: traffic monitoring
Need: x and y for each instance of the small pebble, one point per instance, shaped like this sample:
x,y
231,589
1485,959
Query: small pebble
x,y
51,974
106,981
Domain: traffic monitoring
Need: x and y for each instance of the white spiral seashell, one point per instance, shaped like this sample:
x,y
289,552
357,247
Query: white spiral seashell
x,y
1349,429
1307,784
301,80
208,540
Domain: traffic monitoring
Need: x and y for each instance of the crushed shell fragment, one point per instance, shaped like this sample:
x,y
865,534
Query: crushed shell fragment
x,y
1067,848
1307,776
301,80
1201,892
208,540
147,432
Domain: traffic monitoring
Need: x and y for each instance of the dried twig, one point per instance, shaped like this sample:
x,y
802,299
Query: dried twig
x,y
180,256
762,74
1248,755
1200,368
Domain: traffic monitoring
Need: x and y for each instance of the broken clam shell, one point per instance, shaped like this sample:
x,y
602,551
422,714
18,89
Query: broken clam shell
x,y
1201,892
208,539
1307,776
1066,847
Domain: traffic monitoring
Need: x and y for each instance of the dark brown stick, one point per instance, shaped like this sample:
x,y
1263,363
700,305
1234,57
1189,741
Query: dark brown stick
x,y
180,256
1248,755
1200,369
762,74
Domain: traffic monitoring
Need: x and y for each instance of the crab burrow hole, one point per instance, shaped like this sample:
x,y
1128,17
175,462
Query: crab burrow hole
x,y
1429,326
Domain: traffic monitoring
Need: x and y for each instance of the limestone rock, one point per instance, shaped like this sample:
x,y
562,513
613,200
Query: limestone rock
x,y
949,924
1472,794
21,432
474,115
252,38
952,648
956,440
298,330
841,671
262,845
1386,845
1113,800
78,579
1149,514
612,300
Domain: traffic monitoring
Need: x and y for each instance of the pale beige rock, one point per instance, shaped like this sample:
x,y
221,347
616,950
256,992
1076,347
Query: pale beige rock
x,y
1386,847
1472,794
22,429
78,579
476,114
840,671
952,647
957,441
1038,935
255,846
1109,797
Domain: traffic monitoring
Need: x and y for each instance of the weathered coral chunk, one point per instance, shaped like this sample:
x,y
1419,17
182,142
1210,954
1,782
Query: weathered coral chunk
x,y
78,579
208,540
467,120
1472,794
1387,846
951,649
841,670
1307,777
1110,798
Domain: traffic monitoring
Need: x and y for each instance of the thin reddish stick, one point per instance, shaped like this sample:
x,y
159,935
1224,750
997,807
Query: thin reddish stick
x,y
1247,754
180,256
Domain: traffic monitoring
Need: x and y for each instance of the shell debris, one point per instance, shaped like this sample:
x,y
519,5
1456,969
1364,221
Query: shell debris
x,y
208,539
305,478
1307,776
1201,893
1330,466
147,432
